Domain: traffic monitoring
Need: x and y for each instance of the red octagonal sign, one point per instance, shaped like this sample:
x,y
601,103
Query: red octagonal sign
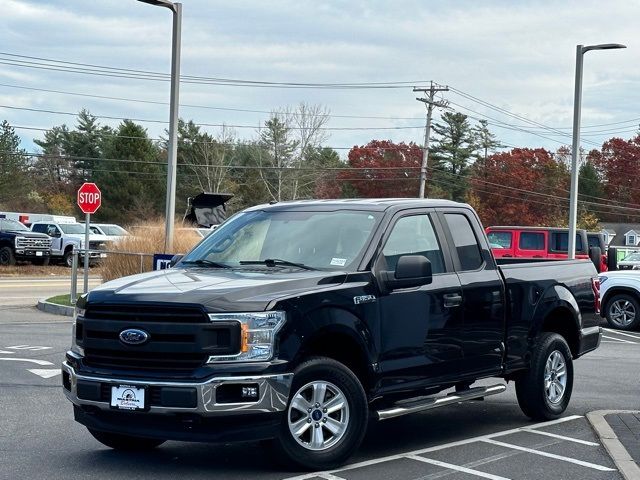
x,y
89,198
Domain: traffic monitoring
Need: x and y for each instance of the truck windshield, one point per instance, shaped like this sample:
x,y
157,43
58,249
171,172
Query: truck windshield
x,y
7,225
72,228
113,230
320,240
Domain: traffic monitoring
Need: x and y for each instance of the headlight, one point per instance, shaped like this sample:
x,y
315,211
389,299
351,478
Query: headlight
x,y
257,335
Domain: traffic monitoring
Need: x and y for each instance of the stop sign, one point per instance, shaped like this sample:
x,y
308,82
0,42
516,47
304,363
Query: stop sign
x,y
89,198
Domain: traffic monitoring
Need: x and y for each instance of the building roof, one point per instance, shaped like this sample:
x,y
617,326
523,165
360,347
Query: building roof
x,y
620,229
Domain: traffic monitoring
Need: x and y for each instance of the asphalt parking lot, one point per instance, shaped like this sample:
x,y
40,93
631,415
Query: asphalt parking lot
x,y
480,439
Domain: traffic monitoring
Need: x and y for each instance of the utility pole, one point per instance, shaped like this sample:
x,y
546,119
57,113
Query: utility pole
x,y
429,101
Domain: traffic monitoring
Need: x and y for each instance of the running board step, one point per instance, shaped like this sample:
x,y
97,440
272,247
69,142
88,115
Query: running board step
x,y
427,404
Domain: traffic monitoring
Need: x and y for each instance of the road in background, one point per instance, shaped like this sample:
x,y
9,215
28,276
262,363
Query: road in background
x,y
26,291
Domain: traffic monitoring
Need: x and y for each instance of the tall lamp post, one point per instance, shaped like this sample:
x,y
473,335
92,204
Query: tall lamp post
x,y
575,146
172,159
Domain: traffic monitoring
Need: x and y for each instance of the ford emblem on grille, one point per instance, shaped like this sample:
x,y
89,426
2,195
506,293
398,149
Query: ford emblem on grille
x,y
133,336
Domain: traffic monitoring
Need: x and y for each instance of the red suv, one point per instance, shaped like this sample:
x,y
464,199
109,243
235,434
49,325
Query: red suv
x,y
540,243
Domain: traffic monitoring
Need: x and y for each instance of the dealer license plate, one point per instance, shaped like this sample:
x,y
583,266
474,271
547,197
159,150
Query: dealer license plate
x,y
103,255
127,397
38,254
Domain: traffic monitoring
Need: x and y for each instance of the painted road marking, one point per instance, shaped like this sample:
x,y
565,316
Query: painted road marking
x,y
45,372
450,466
31,360
549,455
466,441
625,334
619,340
6,352
561,437
29,347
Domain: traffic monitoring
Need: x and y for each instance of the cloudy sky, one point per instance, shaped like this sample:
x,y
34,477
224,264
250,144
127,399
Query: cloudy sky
x,y
516,56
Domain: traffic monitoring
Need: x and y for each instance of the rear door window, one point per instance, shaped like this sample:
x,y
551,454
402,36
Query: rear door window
x,y
560,242
465,241
531,241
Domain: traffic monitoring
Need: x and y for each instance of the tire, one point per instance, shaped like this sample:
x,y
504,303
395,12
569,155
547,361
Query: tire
x,y
612,259
125,442
68,258
330,435
623,312
595,254
7,258
538,399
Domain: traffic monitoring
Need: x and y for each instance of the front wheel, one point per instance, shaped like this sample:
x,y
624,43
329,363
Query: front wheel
x,y
68,258
326,418
545,389
623,312
125,442
7,258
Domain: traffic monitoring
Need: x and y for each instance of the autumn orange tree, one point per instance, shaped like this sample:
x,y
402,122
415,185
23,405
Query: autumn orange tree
x,y
500,188
380,168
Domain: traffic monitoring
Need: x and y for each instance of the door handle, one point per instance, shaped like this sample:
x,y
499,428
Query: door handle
x,y
507,255
537,256
452,300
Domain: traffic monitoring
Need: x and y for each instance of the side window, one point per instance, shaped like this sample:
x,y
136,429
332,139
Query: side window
x,y
40,228
465,241
531,241
413,235
52,230
500,239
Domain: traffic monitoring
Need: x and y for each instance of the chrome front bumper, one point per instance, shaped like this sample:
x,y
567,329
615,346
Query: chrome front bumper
x,y
273,393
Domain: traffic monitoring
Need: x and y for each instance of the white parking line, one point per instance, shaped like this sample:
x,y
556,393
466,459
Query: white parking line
x,y
549,455
561,437
625,334
619,340
45,372
457,443
450,466
37,362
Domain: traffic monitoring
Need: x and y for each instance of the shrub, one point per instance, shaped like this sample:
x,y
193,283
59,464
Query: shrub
x,y
145,238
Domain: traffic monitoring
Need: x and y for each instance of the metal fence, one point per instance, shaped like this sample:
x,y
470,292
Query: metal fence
x,y
99,256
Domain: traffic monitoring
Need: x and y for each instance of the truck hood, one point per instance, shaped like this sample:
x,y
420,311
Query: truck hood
x,y
218,290
26,234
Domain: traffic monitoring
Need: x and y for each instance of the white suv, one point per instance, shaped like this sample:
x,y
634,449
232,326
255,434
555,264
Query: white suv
x,y
620,298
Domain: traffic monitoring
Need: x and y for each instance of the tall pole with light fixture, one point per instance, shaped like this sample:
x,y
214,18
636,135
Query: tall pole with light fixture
x,y
172,151
575,145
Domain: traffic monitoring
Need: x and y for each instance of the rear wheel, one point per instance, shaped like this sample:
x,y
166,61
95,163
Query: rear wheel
x,y
623,312
125,442
326,418
7,257
545,389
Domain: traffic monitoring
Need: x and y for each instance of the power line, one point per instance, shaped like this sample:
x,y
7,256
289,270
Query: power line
x,y
146,120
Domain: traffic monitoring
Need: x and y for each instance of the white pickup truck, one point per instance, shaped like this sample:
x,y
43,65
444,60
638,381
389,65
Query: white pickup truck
x,y
66,236
620,298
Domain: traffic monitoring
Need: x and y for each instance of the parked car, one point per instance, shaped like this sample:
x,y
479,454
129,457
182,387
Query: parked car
x,y
540,244
620,298
17,242
110,230
66,236
630,262
301,321
597,241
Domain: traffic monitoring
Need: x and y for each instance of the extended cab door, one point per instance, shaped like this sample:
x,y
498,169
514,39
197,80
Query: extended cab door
x,y
483,293
420,327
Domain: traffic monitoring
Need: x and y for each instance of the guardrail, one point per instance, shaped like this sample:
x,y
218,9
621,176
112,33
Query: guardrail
x,y
77,253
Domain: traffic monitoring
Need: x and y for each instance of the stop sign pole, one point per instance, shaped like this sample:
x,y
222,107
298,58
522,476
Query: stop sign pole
x,y
89,200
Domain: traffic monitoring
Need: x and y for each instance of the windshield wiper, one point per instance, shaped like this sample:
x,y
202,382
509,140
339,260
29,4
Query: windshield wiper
x,y
206,263
272,262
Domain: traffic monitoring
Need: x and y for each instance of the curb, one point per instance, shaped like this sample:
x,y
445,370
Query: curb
x,y
55,308
627,467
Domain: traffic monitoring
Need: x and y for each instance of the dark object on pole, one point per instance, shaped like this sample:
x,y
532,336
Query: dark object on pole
x,y
207,209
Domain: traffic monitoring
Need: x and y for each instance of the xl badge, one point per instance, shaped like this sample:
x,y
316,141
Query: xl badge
x,y
133,336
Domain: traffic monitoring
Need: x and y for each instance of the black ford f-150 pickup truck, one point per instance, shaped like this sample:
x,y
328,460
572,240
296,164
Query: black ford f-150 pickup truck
x,y
302,321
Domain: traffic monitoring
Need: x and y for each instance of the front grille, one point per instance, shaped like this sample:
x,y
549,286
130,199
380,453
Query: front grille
x,y
96,245
180,338
146,313
33,243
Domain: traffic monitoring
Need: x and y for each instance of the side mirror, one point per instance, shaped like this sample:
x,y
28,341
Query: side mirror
x,y
174,260
411,271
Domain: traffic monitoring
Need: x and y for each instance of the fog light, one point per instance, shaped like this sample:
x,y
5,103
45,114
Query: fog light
x,y
249,392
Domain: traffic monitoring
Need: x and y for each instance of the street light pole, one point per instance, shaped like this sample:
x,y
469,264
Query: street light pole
x,y
575,145
172,151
